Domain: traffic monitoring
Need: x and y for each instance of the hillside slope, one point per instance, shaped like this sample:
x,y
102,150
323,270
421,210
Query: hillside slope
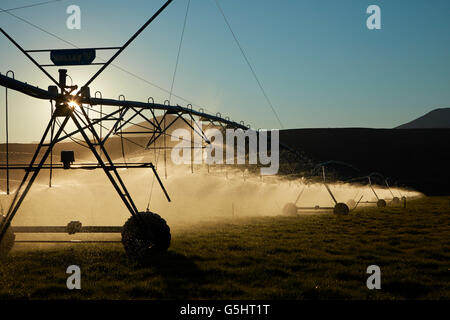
x,y
438,118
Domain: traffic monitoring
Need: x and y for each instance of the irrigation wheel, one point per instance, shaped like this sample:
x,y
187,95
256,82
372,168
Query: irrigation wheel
x,y
290,209
381,203
341,209
145,235
7,242
396,200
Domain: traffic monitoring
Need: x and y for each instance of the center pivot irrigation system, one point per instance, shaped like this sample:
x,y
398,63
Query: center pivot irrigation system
x,y
341,208
145,232
380,203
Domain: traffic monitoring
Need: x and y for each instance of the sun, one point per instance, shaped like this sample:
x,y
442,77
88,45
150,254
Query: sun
x,y
73,104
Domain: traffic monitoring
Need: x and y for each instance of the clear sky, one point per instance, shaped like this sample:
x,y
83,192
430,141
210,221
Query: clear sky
x,y
318,62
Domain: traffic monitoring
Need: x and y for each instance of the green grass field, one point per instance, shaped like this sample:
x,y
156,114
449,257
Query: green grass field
x,y
306,257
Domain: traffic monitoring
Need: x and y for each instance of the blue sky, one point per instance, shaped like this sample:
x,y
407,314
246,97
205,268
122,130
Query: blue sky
x,y
318,62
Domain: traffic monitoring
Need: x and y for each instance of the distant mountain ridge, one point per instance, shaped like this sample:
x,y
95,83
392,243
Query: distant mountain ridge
x,y
438,118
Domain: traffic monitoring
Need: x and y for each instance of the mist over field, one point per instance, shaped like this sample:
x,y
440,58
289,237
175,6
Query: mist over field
x,y
89,197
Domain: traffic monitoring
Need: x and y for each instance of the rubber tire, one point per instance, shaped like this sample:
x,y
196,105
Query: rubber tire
x,y
145,235
7,242
396,200
341,209
290,209
351,203
381,203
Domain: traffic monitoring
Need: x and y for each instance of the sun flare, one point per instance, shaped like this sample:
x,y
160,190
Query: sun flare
x,y
73,104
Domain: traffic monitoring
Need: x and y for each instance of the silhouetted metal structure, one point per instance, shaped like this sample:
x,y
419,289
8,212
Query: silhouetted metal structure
x,y
145,228
144,232
380,203
339,208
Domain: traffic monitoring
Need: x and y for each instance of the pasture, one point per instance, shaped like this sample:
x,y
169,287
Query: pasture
x,y
319,256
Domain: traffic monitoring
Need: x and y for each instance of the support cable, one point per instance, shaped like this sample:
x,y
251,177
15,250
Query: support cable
x,y
134,36
156,167
171,87
52,129
29,6
179,50
249,64
7,135
153,181
101,116
104,60
121,139
165,151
